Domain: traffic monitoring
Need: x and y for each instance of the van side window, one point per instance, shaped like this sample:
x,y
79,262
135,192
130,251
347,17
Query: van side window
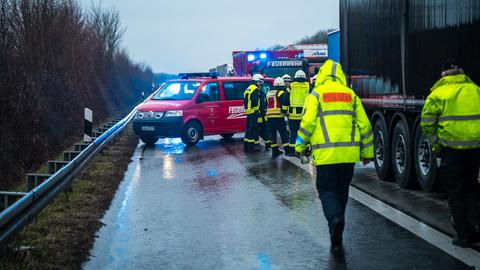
x,y
234,90
212,91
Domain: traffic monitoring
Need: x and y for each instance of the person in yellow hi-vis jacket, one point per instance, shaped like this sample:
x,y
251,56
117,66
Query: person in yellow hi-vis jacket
x,y
337,130
299,90
251,103
451,118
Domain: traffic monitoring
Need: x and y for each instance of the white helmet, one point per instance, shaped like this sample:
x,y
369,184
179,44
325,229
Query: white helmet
x,y
257,77
278,82
286,78
300,74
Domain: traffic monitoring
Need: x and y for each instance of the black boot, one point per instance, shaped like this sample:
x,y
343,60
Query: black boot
x,y
256,148
336,232
276,152
289,151
267,146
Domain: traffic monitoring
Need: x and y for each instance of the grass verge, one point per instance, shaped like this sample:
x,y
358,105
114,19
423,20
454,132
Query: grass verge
x,y
63,234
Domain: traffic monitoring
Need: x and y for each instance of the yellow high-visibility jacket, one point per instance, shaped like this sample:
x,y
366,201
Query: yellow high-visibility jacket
x,y
451,114
298,94
334,123
251,100
276,103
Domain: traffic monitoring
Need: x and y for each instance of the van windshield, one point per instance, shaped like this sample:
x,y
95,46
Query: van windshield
x,y
177,91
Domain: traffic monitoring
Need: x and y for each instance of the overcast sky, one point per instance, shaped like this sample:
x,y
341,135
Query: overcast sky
x,y
195,35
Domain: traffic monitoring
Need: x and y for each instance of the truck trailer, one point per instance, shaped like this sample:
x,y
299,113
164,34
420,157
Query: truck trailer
x,y
392,52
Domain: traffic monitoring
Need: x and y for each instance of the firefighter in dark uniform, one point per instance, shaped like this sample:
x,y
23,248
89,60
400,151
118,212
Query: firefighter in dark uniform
x,y
299,90
262,120
451,118
251,103
277,98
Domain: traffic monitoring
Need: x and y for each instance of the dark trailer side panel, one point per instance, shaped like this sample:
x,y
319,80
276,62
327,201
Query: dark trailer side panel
x,y
393,50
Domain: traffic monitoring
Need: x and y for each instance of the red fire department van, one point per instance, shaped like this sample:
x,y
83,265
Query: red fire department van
x,y
194,106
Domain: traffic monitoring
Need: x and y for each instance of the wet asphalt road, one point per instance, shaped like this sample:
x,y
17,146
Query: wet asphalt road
x,y
213,207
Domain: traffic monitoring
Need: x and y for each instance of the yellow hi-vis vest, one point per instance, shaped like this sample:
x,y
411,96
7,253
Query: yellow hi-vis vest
x,y
334,123
451,114
274,106
251,100
298,94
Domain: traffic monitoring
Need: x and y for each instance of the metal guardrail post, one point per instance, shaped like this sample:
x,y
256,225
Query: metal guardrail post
x,y
20,213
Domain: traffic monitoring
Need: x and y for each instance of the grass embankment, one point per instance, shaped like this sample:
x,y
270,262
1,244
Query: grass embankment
x,y
63,234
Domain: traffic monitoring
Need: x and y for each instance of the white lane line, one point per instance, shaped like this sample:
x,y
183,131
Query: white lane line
x,y
420,229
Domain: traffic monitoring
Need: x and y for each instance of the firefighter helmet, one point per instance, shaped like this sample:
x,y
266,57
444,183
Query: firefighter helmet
x,y
278,82
300,74
257,77
286,78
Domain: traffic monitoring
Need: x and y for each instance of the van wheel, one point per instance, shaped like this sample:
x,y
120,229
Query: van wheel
x,y
382,157
148,140
227,135
192,132
425,162
402,156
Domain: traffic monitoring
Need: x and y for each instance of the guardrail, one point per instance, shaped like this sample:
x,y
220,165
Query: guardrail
x,y
19,214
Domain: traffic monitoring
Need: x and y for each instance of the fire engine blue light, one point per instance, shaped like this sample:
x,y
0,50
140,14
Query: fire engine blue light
x,y
250,57
263,56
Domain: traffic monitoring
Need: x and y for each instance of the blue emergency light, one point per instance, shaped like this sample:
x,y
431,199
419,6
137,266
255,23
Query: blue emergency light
x,y
263,56
250,57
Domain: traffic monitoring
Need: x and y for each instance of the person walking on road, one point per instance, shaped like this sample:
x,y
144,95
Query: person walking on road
x,y
251,103
451,119
276,109
299,90
337,130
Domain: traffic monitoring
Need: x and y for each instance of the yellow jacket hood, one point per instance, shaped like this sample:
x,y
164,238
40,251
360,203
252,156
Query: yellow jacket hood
x,y
330,72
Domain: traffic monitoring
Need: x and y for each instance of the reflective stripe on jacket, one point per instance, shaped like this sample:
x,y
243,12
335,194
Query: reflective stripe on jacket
x,y
451,114
276,106
251,100
334,121
298,94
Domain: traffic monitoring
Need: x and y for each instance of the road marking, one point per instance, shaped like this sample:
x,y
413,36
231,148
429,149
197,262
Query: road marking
x,y
420,229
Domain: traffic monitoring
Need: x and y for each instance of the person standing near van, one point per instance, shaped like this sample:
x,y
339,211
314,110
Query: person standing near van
x,y
299,90
251,103
276,109
262,120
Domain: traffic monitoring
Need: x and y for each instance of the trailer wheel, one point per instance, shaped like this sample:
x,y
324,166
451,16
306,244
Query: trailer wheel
x,y
425,162
402,156
382,158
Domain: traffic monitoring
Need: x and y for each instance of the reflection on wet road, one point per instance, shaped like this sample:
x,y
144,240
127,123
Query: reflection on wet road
x,y
213,207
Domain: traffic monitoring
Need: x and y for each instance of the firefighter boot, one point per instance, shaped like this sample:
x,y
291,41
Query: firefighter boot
x,y
336,231
246,147
276,152
256,148
289,151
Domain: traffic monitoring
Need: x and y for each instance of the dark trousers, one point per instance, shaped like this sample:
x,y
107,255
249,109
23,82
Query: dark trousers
x,y
263,132
278,125
294,126
458,174
333,183
251,132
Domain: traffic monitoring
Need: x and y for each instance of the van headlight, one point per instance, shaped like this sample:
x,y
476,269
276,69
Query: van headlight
x,y
174,113
139,115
